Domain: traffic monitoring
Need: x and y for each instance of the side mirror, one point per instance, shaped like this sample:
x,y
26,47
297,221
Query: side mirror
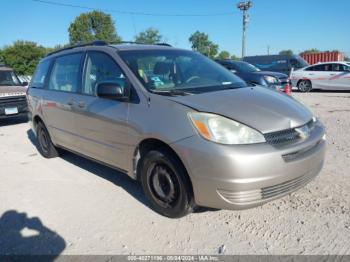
x,y
25,83
113,91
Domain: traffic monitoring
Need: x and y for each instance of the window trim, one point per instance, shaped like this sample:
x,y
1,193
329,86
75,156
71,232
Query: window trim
x,y
127,81
79,72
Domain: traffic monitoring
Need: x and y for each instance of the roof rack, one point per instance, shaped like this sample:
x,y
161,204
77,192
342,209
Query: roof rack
x,y
139,43
93,43
103,43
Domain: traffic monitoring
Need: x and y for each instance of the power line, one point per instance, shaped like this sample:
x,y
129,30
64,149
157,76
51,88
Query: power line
x,y
128,12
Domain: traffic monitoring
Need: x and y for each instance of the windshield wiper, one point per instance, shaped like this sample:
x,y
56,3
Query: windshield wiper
x,y
175,92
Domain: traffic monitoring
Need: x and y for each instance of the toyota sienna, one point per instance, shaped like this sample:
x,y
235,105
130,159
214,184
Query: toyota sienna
x,y
189,130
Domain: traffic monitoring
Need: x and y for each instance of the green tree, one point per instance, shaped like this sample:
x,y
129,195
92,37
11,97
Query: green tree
x,y
1,58
23,56
310,51
223,55
286,52
149,36
91,26
234,57
56,47
201,43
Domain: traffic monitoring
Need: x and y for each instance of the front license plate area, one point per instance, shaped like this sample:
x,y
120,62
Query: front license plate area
x,y
11,111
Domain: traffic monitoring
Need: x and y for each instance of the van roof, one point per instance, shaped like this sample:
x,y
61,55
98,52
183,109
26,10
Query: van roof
x,y
271,56
119,46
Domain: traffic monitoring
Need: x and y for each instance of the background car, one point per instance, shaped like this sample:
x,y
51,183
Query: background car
x,y
254,75
329,76
277,63
12,94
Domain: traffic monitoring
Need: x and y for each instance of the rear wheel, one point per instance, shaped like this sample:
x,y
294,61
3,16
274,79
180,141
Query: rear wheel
x,y
166,184
45,145
305,85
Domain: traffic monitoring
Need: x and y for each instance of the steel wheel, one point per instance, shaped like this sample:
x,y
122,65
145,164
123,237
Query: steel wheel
x,y
163,184
45,145
43,140
166,183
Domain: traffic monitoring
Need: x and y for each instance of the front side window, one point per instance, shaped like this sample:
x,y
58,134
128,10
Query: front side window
x,y
65,73
101,68
170,70
40,74
8,78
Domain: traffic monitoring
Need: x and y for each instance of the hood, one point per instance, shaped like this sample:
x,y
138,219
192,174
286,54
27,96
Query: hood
x,y
8,91
260,108
269,73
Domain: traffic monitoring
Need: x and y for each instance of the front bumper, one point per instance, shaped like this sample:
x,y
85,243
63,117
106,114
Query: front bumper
x,y
20,103
245,176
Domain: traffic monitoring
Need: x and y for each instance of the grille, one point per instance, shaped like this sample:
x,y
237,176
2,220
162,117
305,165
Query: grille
x,y
265,193
286,136
15,99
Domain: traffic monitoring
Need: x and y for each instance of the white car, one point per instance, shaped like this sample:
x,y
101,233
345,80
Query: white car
x,y
330,76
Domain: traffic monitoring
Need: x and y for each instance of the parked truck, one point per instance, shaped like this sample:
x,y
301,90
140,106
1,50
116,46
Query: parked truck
x,y
318,57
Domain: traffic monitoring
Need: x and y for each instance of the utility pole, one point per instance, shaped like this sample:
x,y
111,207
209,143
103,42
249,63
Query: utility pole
x,y
244,7
268,50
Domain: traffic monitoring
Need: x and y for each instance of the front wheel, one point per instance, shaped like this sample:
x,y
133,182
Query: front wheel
x,y
305,86
166,184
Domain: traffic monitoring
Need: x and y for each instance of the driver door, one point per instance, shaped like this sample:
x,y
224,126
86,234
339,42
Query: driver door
x,y
102,123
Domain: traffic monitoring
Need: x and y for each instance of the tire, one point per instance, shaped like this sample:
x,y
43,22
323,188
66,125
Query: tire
x,y
305,86
166,184
45,145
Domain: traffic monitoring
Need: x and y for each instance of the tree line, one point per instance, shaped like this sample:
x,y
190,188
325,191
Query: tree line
x,y
23,56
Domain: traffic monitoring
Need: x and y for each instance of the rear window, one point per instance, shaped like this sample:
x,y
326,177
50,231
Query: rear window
x,y
40,74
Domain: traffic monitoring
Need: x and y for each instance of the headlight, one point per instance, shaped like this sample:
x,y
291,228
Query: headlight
x,y
271,80
223,130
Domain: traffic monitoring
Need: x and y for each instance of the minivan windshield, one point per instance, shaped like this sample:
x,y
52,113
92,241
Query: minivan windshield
x,y
8,78
179,70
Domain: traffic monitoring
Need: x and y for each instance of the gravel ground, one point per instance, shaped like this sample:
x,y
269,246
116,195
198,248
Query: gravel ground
x,y
71,205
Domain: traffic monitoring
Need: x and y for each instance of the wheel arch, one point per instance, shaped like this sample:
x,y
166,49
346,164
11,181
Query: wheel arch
x,y
147,145
36,120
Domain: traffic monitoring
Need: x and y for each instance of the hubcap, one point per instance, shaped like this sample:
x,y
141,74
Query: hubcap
x,y
304,86
164,185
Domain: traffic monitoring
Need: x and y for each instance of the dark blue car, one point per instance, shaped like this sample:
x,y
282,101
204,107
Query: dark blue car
x,y
253,75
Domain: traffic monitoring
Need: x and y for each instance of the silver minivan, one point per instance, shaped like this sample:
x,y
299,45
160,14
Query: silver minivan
x,y
189,130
